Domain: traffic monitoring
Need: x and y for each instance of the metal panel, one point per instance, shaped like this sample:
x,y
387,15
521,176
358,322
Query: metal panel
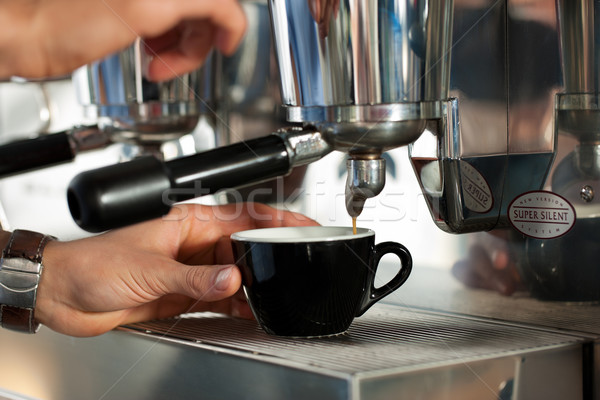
x,y
390,352
394,351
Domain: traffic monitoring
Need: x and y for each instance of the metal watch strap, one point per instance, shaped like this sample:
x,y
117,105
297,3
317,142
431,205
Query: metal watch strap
x,y
20,270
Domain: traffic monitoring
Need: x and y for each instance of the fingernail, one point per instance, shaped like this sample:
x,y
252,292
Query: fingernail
x,y
222,280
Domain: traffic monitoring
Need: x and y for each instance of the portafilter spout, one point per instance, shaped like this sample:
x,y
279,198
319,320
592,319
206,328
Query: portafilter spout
x,y
366,179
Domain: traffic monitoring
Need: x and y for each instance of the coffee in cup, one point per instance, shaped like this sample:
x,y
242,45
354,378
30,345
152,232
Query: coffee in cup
x,y
313,280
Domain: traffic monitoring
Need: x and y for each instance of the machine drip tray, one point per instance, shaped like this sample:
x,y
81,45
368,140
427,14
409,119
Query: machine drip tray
x,y
391,352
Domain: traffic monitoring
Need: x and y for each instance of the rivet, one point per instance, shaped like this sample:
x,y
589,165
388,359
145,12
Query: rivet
x,y
587,193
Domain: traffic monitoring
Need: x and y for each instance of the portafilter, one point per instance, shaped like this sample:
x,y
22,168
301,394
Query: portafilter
x,y
123,106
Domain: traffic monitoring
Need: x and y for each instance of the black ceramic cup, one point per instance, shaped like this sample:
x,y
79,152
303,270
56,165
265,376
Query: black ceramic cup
x,y
313,281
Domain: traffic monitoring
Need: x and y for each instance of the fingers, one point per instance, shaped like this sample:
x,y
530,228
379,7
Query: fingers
x,y
236,306
227,20
315,9
187,289
203,221
173,63
173,305
151,18
204,230
501,259
179,51
240,307
223,252
102,27
479,271
205,283
265,216
179,288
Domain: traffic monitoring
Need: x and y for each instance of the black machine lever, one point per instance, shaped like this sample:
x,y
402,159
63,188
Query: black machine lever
x,y
145,188
47,150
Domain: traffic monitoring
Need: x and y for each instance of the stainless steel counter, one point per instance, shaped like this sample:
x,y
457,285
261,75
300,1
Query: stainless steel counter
x,y
437,341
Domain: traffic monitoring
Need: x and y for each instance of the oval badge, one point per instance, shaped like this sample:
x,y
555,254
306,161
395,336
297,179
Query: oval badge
x,y
541,214
476,192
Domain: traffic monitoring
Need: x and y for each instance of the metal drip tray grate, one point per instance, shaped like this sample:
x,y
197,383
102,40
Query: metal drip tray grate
x,y
391,352
386,338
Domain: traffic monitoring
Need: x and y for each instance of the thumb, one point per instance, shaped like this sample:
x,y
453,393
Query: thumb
x,y
207,282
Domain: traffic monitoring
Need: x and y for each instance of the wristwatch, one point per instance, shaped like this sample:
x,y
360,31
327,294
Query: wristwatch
x,y
20,270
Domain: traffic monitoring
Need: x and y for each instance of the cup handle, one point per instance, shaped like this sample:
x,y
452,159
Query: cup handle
x,y
374,294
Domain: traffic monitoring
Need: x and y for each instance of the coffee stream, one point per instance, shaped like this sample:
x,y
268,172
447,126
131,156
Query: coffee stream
x,y
354,225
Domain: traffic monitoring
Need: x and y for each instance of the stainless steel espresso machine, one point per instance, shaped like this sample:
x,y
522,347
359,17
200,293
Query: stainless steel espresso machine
x,y
361,79
497,103
360,89
477,100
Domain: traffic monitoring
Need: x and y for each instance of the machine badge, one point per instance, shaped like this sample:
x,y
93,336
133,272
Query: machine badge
x,y
541,214
475,189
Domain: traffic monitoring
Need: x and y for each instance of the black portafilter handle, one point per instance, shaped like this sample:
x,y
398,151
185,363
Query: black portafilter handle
x,y
146,187
47,150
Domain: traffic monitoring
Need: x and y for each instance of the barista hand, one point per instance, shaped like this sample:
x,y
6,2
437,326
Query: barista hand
x,y
43,38
156,269
489,264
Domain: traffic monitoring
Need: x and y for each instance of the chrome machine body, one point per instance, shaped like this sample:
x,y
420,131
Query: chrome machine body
x,y
132,109
368,75
495,140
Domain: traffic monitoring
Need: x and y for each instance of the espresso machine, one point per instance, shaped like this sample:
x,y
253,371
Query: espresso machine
x,y
362,91
454,82
361,80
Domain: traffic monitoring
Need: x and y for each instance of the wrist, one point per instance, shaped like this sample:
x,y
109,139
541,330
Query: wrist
x,y
20,270
50,291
